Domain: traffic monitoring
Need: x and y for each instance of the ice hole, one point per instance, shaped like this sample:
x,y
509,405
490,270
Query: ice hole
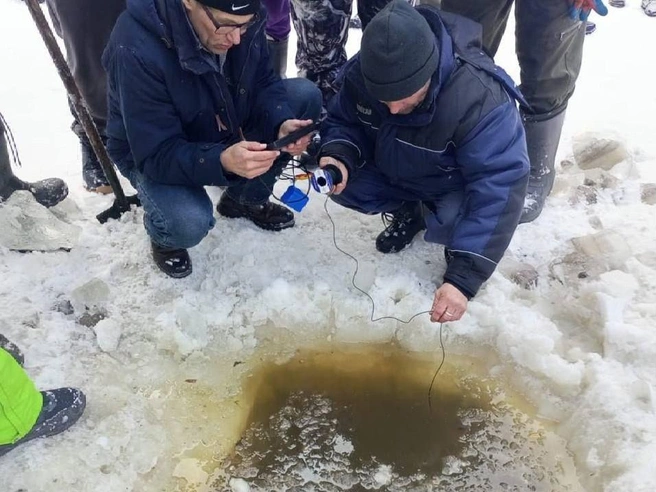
x,y
357,418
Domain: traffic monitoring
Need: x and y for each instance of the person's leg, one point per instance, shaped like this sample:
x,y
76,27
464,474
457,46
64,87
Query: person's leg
x,y
48,192
550,50
85,28
176,218
367,9
26,413
371,193
20,401
278,26
322,29
12,349
491,14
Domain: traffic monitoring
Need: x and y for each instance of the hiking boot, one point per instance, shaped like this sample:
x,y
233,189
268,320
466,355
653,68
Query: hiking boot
x,y
402,227
61,409
12,349
649,7
94,177
176,263
268,215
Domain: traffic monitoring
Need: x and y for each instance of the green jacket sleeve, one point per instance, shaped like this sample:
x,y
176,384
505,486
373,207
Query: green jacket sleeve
x,y
20,401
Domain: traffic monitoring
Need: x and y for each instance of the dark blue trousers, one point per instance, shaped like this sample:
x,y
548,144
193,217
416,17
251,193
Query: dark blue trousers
x,y
370,192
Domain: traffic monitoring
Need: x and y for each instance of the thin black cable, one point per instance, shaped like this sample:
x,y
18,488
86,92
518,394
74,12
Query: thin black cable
x,y
355,273
296,164
373,305
10,140
430,388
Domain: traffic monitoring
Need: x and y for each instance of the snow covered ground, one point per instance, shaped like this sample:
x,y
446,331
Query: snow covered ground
x,y
581,346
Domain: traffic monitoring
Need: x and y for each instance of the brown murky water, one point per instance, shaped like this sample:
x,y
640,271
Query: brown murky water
x,y
358,419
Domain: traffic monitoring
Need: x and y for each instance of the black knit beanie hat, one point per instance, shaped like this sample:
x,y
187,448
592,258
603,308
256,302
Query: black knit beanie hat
x,y
234,7
398,54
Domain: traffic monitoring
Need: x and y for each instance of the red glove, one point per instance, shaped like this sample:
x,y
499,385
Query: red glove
x,y
580,9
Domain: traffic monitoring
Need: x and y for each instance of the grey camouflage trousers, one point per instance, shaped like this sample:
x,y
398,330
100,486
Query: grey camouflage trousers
x,y
322,28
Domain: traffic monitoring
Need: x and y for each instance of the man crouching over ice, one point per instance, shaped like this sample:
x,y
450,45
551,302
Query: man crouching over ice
x,y
425,128
193,99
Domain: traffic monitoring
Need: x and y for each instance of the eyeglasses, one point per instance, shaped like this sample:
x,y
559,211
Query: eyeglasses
x,y
228,28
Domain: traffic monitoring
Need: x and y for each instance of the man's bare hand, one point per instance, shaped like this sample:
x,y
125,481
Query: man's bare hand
x,y
301,144
248,159
449,304
324,161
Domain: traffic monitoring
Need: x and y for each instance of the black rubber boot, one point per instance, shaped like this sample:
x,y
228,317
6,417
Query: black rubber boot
x,y
278,53
269,216
176,263
12,349
403,225
48,192
542,138
61,409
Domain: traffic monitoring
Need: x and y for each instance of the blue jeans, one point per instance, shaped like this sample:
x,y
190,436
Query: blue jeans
x,y
370,192
181,216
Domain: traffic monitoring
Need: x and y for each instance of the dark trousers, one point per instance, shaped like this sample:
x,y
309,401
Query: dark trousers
x,y
370,192
322,28
85,27
549,46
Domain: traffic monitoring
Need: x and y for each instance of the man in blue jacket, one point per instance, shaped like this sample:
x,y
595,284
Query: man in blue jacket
x,y
424,117
193,100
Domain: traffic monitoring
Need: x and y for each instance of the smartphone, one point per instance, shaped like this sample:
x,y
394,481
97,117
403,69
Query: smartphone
x,y
293,136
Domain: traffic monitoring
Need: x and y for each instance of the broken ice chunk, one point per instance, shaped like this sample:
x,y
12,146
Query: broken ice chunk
x,y
28,226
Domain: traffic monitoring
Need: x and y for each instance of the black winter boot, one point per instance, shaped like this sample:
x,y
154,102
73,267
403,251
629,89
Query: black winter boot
x,y
92,172
402,227
278,53
542,138
176,263
12,349
269,216
48,192
61,409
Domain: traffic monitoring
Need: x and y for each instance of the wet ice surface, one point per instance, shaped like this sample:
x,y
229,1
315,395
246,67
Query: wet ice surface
x,y
348,430
305,446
